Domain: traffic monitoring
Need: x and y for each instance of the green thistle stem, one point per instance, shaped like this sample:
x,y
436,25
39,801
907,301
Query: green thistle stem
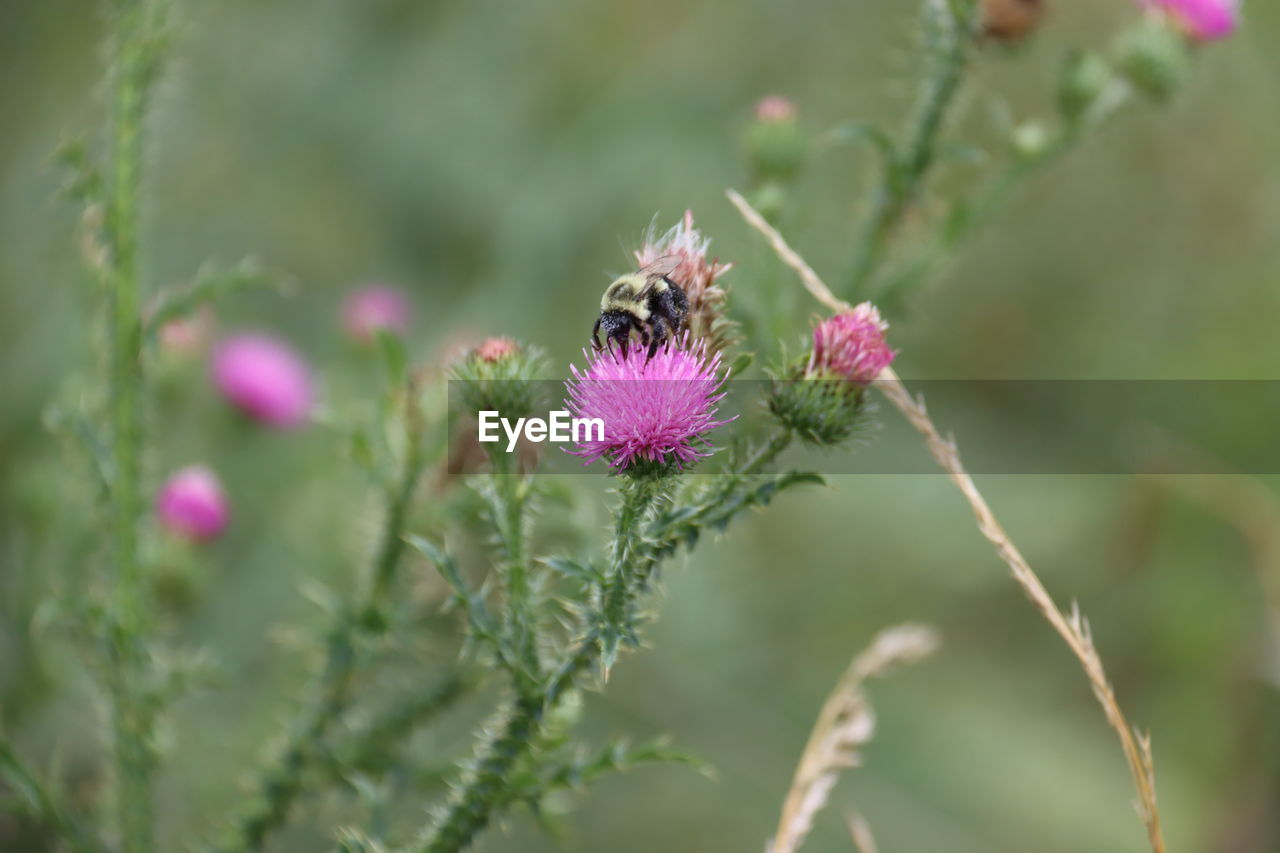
x,y
42,805
906,171
995,195
488,786
767,452
510,491
131,714
285,780
371,748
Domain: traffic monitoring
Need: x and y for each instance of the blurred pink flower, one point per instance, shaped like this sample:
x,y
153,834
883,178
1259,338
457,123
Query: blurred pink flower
x,y
773,108
193,505
495,349
851,345
265,378
1202,20
376,307
654,409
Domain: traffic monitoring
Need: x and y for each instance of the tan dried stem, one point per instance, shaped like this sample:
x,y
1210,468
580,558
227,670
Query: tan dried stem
x,y
845,723
860,833
1073,628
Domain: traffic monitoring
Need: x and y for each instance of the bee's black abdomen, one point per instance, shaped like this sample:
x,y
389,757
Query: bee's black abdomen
x,y
671,305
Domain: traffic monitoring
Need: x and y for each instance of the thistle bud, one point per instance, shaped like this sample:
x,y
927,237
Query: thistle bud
x,y
494,350
1155,57
822,399
1029,140
496,376
374,308
776,143
189,335
1085,76
1011,20
1199,20
192,504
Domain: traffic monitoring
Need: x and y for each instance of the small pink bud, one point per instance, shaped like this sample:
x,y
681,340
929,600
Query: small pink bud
x,y
851,345
375,308
775,108
265,378
496,349
185,336
193,505
1201,20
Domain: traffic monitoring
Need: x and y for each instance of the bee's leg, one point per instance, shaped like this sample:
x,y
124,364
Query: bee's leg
x,y
660,335
595,336
620,332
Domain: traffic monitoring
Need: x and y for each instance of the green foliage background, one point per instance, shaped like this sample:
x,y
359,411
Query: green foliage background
x,y
495,159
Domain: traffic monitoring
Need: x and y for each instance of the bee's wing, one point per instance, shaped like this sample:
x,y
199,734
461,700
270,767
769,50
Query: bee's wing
x,y
656,271
664,265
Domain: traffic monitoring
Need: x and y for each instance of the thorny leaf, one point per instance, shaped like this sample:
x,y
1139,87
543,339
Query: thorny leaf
x,y
209,286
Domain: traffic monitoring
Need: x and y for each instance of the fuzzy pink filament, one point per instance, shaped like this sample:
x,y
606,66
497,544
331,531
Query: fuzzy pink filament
x,y
265,378
1202,20
774,108
851,345
654,409
193,505
496,349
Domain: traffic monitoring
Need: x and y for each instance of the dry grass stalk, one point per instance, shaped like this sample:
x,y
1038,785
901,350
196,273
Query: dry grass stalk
x,y
1073,628
845,723
860,833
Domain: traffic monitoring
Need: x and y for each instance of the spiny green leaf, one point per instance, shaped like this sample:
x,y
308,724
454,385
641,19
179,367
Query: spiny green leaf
x,y
575,570
209,286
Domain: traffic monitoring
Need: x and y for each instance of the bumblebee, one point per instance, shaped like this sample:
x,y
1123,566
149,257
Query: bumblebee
x,y
647,302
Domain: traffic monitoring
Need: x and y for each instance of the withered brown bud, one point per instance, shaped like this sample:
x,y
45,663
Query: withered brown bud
x,y
1011,20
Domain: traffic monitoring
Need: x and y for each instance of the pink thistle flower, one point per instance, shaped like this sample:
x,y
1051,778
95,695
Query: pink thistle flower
x,y
686,246
265,378
775,108
1201,20
654,409
851,345
193,505
496,349
375,308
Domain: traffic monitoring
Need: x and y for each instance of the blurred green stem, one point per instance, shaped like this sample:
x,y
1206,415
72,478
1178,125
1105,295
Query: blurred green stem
x,y
370,749
767,452
510,493
281,784
42,805
972,213
131,714
948,32
487,787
